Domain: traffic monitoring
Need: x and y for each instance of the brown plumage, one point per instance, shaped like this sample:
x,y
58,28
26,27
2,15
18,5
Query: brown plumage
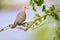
x,y
21,16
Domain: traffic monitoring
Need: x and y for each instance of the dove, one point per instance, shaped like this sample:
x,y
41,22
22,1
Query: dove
x,y
20,18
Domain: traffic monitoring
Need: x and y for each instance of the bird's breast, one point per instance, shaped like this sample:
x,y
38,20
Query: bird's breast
x,y
21,17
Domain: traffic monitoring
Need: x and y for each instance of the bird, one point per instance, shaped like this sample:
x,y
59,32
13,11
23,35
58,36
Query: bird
x,y
20,18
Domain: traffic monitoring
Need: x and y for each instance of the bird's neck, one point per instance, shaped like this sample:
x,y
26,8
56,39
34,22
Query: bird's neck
x,y
23,10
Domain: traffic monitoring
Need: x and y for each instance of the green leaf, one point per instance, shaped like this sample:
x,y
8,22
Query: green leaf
x,y
37,15
34,8
55,15
36,23
52,8
47,11
44,8
40,2
40,19
31,2
45,17
36,1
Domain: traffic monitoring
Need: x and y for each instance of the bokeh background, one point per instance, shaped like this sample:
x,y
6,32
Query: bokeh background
x,y
8,11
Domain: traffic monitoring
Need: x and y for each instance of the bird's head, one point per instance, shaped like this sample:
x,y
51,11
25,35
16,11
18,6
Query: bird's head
x,y
24,7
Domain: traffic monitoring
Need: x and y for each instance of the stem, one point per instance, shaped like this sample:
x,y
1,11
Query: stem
x,y
42,17
42,24
31,23
55,4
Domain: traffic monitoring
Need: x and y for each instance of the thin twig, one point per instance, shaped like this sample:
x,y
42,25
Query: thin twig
x,y
55,4
6,28
31,23
42,17
42,24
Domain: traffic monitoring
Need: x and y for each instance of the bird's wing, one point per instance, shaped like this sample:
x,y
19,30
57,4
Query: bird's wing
x,y
20,17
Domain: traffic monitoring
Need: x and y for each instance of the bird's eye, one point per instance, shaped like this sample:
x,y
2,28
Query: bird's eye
x,y
24,7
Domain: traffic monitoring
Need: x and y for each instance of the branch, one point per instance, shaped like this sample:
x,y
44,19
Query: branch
x,y
6,28
30,23
43,17
55,4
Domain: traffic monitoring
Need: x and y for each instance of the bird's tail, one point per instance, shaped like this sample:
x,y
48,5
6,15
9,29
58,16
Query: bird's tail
x,y
6,28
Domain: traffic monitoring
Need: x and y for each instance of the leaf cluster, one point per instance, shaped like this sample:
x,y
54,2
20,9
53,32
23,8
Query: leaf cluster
x,y
53,14
48,12
36,2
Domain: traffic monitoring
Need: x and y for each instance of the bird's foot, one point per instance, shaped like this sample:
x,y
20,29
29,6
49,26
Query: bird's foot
x,y
25,28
